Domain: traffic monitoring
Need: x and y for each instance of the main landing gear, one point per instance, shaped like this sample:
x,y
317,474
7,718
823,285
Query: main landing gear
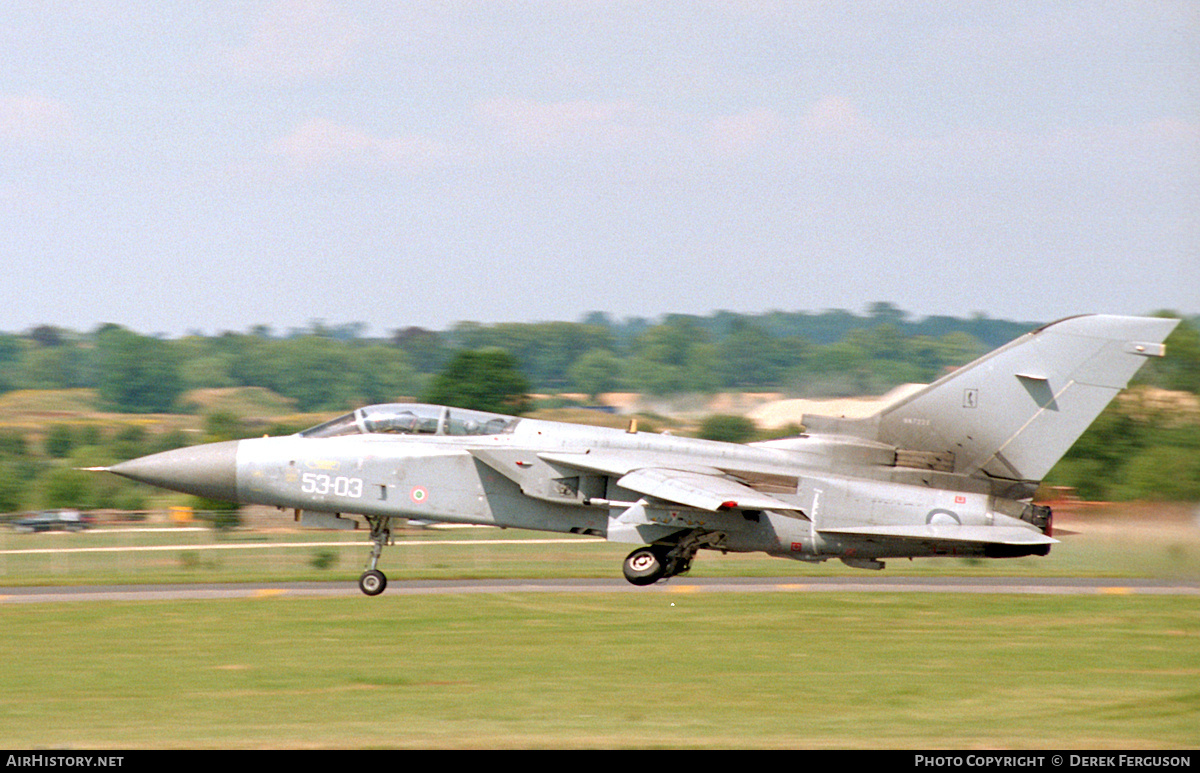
x,y
373,582
646,566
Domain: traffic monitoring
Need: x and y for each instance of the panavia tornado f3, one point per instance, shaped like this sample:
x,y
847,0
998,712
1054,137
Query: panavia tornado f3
x,y
947,471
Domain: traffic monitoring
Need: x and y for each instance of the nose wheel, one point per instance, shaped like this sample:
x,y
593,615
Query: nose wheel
x,y
373,582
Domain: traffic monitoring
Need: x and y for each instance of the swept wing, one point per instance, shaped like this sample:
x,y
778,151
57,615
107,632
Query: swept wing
x,y
702,490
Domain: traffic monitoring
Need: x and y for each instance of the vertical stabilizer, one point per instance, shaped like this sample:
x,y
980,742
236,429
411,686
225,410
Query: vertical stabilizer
x,y
1013,413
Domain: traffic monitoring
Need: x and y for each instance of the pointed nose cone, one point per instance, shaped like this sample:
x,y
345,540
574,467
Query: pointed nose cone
x,y
208,471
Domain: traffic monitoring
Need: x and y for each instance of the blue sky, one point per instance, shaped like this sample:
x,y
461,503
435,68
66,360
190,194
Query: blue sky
x,y
212,166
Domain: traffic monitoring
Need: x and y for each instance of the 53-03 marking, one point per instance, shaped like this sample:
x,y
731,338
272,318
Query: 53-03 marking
x,y
316,483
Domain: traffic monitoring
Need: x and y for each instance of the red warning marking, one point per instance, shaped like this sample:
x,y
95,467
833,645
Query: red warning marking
x,y
960,500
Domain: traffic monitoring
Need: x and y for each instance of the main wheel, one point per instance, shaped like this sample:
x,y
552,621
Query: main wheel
x,y
372,582
644,566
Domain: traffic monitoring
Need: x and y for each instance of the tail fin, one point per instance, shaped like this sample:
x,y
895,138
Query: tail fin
x,y
1012,414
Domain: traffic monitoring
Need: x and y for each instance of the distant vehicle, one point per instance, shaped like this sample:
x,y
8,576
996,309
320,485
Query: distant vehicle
x,y
950,470
51,520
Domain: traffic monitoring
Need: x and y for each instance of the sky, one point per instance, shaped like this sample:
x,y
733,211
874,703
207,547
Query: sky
x,y
181,166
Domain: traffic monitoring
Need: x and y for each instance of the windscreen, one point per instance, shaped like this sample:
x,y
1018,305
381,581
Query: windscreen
x,y
414,419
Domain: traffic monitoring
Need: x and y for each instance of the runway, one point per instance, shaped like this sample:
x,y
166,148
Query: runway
x,y
396,587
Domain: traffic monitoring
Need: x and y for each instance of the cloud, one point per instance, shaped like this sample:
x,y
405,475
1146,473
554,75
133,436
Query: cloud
x,y
34,119
320,142
551,126
1160,144
830,123
500,130
299,39
835,116
745,132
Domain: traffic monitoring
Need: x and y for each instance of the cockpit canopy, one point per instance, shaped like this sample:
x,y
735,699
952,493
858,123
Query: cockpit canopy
x,y
414,419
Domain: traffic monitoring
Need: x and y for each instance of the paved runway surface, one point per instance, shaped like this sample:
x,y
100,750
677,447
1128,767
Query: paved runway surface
x,y
1003,585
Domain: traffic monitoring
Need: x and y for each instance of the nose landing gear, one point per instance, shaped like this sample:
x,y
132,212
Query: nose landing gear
x,y
373,582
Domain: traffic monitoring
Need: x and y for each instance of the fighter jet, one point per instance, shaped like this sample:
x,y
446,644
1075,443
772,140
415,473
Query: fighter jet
x,y
950,470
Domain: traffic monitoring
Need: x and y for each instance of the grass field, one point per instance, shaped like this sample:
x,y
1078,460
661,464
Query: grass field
x,y
616,670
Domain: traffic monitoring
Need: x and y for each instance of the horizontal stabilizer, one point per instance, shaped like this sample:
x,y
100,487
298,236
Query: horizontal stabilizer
x,y
937,532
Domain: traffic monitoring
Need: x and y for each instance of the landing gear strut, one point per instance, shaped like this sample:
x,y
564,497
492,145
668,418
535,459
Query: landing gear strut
x,y
373,582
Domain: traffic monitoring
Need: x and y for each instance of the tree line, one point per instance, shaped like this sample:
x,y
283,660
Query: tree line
x,y
324,368
1131,451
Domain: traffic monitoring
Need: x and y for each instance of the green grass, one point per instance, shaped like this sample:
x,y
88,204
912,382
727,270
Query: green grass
x,y
671,670
677,670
